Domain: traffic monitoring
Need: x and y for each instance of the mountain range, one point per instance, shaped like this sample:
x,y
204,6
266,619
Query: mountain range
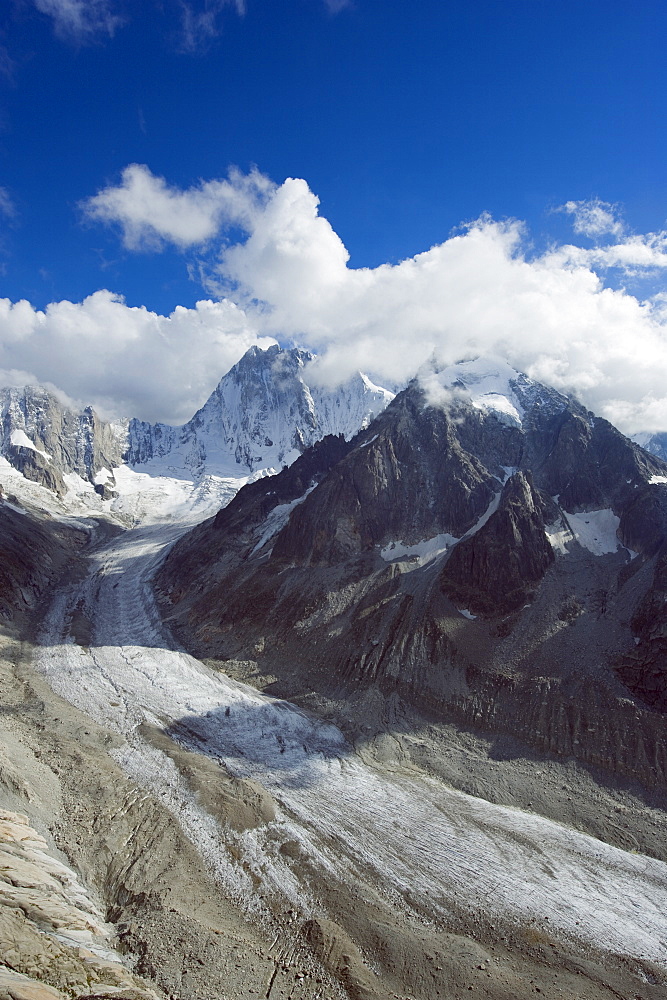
x,y
333,692
261,416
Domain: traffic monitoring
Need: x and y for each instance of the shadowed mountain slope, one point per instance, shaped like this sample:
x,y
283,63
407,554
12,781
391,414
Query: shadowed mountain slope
x,y
487,549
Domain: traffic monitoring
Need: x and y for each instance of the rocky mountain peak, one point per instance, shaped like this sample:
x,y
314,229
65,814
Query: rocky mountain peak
x,y
263,414
45,439
469,540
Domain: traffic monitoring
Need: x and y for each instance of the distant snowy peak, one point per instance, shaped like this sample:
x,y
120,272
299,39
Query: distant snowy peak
x,y
655,443
263,414
46,440
492,386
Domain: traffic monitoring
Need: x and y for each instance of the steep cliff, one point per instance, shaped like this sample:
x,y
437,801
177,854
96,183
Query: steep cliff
x,y
45,439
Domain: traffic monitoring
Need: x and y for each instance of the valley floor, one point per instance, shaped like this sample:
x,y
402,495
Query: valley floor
x,y
242,846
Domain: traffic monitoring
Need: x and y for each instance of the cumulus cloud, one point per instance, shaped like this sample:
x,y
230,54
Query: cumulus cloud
x,y
81,20
481,291
150,212
594,218
126,361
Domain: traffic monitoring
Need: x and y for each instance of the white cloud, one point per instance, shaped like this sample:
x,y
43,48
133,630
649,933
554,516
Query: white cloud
x,y
125,361
81,20
7,206
201,22
594,218
634,255
479,292
150,212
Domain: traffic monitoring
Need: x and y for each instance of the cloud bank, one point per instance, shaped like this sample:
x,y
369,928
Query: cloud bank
x,y
481,291
127,361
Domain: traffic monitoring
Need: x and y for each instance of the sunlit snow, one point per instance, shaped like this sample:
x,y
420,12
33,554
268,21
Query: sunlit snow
x,y
20,439
487,384
595,530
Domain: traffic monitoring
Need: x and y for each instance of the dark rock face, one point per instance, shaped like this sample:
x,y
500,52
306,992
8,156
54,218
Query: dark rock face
x,y
591,464
298,575
496,569
230,537
36,467
411,451
643,524
644,669
33,552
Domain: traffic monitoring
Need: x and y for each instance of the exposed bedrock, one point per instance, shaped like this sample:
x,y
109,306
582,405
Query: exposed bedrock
x,y
34,552
498,567
36,466
644,668
476,617
408,476
46,439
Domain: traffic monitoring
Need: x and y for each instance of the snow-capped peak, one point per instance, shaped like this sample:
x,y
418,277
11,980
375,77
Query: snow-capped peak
x,y
262,415
489,383
492,386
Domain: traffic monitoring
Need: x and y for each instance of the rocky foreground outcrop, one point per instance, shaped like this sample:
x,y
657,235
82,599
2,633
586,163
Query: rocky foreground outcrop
x,y
54,943
446,555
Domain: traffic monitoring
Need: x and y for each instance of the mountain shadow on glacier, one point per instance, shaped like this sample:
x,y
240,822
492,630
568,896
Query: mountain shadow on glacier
x,y
254,736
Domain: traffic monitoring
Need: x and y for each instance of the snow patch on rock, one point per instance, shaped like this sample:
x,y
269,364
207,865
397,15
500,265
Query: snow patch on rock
x,y
595,530
20,439
278,518
419,553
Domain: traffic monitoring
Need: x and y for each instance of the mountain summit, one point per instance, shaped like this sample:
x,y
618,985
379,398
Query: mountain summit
x,y
264,412
485,539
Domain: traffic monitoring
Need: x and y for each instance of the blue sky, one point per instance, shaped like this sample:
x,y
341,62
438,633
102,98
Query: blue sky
x,y
405,120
